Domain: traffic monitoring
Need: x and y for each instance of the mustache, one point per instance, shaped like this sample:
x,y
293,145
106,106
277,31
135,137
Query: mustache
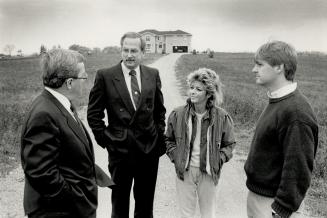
x,y
130,59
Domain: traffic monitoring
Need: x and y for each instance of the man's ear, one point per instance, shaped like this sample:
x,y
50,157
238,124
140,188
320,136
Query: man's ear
x,y
69,83
280,68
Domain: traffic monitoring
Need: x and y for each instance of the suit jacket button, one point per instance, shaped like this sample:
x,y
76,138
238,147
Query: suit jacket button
x,y
121,109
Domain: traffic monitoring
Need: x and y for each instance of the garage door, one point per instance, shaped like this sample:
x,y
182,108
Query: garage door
x,y
180,49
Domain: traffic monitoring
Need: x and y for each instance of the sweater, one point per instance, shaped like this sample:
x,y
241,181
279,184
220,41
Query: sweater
x,y
281,157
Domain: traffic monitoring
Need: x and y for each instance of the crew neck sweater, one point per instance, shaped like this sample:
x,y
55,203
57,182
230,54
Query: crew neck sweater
x,y
281,157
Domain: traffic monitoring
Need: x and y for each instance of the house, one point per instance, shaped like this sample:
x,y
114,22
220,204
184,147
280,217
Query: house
x,y
166,41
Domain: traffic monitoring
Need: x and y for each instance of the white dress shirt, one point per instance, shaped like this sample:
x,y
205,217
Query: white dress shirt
x,y
62,99
281,92
128,79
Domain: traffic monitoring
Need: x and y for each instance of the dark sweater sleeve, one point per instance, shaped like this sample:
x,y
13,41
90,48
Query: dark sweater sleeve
x,y
298,144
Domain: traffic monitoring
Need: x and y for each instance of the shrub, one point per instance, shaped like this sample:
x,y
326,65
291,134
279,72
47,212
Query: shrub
x,y
211,54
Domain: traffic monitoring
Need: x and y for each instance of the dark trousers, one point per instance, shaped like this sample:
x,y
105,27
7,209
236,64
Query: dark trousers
x,y
41,213
140,168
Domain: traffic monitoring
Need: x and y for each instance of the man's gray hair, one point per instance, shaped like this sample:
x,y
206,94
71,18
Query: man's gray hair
x,y
58,65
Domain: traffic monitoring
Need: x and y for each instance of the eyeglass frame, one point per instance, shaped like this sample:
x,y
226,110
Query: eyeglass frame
x,y
79,78
76,78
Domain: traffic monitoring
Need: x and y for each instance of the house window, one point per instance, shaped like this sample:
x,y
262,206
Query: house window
x,y
148,46
160,45
147,38
158,37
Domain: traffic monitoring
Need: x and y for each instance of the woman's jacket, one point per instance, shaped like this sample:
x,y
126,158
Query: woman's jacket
x,y
220,139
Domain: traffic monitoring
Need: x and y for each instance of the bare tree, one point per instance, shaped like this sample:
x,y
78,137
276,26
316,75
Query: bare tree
x,y
9,48
43,49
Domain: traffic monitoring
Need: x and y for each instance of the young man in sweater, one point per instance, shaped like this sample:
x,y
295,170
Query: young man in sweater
x,y
281,157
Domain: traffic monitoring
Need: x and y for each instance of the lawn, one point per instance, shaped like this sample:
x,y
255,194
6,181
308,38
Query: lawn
x,y
244,100
20,83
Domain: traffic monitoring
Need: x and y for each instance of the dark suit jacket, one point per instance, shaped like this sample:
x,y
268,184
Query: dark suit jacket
x,y
144,127
58,161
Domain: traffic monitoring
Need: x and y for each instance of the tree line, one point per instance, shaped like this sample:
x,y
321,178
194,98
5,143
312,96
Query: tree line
x,y
88,51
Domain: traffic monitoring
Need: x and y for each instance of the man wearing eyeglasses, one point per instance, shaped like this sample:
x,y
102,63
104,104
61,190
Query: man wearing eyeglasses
x,y
56,150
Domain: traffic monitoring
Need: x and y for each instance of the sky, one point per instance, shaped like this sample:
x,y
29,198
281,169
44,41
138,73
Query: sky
x,y
221,25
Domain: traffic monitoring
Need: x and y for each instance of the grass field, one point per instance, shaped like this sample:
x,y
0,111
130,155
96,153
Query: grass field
x,y
20,83
245,100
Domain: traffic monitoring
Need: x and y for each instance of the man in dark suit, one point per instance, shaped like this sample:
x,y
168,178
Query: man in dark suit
x,y
134,137
56,150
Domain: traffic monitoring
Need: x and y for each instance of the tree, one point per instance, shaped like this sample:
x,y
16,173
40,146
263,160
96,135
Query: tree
x,y
80,49
9,48
111,49
43,49
211,54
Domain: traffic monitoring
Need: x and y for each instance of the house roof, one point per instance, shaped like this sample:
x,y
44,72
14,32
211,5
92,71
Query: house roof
x,y
156,32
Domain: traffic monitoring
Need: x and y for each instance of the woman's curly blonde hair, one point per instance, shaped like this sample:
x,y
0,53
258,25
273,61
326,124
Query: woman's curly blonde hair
x,y
213,86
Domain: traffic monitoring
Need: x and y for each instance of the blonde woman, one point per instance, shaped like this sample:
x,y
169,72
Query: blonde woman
x,y
200,139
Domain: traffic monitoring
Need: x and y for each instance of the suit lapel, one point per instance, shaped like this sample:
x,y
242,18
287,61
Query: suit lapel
x,y
121,87
72,123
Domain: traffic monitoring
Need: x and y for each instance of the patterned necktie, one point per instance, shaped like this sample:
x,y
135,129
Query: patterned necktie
x,y
135,88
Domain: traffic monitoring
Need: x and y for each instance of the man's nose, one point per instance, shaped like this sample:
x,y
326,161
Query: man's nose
x,y
254,70
129,53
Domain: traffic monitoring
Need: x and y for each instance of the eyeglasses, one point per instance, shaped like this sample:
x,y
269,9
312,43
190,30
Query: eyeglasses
x,y
80,78
77,78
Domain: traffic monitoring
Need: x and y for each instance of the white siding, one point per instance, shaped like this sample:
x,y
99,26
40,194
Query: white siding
x,y
159,43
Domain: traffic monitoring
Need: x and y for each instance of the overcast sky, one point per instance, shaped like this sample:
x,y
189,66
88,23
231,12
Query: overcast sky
x,y
222,25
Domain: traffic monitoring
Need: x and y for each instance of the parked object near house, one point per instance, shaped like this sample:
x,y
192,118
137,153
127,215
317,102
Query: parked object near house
x,y
162,42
